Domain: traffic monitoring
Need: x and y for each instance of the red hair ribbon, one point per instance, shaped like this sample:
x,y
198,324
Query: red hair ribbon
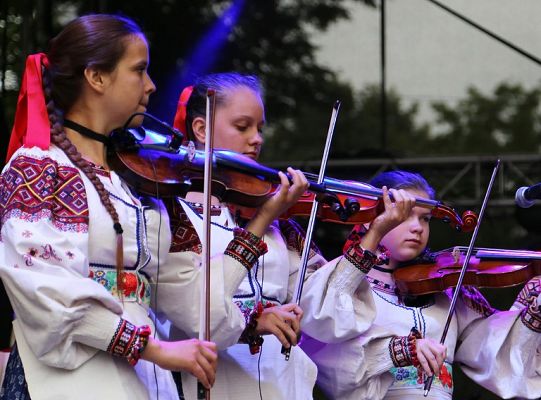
x,y
31,126
180,116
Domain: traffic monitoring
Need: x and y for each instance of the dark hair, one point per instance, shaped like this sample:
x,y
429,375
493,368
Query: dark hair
x,y
403,180
222,83
99,41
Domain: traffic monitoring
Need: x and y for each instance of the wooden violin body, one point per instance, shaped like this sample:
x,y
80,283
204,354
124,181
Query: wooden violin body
x,y
491,268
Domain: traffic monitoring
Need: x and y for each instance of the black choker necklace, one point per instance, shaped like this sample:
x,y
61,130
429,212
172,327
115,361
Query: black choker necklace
x,y
381,269
86,132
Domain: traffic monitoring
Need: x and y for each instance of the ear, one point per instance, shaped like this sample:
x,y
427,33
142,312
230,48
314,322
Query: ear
x,y
96,79
198,127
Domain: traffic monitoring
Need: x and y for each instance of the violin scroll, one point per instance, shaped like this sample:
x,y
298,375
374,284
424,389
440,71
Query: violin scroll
x,y
465,224
469,221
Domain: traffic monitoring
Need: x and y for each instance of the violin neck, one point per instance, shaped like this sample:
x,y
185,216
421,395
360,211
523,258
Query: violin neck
x,y
360,189
232,160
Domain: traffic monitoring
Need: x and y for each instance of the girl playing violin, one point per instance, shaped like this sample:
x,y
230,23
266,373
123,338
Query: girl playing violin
x,y
393,356
77,246
254,263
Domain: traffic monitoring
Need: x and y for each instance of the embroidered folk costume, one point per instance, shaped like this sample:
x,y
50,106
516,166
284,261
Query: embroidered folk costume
x,y
75,243
367,351
240,283
57,262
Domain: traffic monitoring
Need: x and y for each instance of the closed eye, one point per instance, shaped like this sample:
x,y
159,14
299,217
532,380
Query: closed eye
x,y
242,128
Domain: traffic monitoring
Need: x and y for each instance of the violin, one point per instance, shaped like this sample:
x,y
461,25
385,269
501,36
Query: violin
x,y
155,165
489,268
351,210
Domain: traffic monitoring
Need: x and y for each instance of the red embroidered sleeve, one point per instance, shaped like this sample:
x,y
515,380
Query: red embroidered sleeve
x,y
403,349
129,341
245,247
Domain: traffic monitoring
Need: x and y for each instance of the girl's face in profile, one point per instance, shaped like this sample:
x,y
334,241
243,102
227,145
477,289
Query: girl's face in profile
x,y
239,122
129,85
409,239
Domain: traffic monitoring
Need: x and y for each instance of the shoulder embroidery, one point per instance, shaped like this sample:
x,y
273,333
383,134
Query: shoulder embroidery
x,y
294,236
531,314
33,189
531,289
476,301
183,234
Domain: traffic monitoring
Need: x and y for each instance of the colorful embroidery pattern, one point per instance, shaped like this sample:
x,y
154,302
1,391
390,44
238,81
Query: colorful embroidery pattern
x,y
531,316
531,289
47,253
382,286
136,286
184,237
245,247
362,259
33,189
247,306
294,236
412,377
476,301
123,339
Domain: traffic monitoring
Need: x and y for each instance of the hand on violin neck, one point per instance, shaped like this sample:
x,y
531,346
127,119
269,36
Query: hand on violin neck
x,y
395,213
283,198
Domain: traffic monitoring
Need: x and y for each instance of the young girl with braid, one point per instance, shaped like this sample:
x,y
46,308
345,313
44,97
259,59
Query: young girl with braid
x,y
76,244
385,348
251,314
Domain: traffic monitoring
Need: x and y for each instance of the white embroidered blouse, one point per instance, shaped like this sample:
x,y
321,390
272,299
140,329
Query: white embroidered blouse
x,y
57,255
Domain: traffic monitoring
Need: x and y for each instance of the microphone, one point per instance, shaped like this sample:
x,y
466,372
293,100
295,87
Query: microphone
x,y
525,196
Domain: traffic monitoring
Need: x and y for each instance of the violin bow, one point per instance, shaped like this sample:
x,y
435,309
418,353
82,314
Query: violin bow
x,y
311,221
204,311
430,379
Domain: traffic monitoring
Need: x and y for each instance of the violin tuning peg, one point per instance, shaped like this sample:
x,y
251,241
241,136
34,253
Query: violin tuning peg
x,y
352,205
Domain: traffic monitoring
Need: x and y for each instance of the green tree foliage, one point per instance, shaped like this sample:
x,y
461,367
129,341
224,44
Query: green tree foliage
x,y
358,130
506,121
270,39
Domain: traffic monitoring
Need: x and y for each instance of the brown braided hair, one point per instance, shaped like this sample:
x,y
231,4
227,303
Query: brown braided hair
x,y
98,41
